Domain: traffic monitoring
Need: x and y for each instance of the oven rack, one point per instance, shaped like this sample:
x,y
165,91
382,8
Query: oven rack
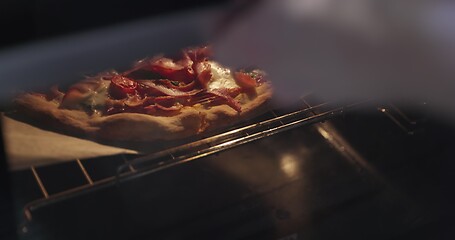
x,y
277,121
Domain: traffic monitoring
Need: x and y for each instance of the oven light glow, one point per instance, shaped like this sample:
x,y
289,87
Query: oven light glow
x,y
333,137
289,165
325,134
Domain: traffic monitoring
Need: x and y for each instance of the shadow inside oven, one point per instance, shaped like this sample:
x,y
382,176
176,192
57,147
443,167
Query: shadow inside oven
x,y
354,177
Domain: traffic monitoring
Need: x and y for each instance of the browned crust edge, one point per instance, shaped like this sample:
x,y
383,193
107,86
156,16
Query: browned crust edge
x,y
140,127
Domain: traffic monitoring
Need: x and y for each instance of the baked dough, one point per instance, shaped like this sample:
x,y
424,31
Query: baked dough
x,y
190,120
157,99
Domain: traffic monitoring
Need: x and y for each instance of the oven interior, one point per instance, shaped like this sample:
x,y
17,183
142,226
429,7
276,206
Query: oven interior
x,y
367,170
313,170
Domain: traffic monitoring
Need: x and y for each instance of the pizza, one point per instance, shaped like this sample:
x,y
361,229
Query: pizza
x,y
158,98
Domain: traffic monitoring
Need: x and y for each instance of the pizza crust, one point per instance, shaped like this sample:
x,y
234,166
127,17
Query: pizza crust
x,y
141,127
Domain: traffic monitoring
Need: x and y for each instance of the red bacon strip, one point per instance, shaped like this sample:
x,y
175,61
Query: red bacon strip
x,y
176,84
134,101
244,80
136,104
181,70
203,73
224,94
122,86
149,87
184,83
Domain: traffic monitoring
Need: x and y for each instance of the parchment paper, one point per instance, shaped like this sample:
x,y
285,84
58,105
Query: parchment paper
x,y
26,145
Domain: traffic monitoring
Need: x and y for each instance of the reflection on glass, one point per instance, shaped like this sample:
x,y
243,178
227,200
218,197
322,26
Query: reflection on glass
x,y
289,164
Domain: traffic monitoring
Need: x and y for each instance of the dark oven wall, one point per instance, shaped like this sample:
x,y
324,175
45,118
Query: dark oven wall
x,y
31,20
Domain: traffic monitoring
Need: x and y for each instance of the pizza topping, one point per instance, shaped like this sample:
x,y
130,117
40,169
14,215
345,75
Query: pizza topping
x,y
221,78
164,100
148,87
257,75
136,104
163,84
181,70
177,84
187,87
121,86
204,73
134,101
81,92
245,80
99,96
224,95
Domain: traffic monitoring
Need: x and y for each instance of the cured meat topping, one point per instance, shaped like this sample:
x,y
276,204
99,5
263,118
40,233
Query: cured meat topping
x,y
164,85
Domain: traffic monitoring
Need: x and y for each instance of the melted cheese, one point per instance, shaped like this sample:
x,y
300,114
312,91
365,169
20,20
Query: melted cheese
x,y
98,97
87,93
221,77
95,99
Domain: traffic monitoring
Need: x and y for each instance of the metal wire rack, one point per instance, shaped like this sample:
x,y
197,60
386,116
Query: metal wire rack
x,y
274,121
